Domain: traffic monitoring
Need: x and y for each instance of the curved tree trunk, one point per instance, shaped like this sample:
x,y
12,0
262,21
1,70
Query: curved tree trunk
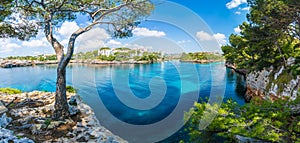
x,y
61,104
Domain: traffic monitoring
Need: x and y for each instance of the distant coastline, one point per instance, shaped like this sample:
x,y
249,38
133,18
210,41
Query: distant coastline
x,y
202,61
27,63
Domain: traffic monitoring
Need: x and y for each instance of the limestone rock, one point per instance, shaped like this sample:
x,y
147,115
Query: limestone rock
x,y
8,136
3,109
257,83
4,120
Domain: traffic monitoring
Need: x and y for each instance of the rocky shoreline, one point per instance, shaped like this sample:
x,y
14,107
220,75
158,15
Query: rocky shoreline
x,y
268,84
25,63
202,61
26,117
240,71
263,84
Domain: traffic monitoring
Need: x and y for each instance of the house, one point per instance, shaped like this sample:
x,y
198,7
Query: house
x,y
140,51
105,51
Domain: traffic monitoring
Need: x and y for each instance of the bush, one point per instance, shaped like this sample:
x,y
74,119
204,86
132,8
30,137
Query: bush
x,y
71,89
260,119
10,90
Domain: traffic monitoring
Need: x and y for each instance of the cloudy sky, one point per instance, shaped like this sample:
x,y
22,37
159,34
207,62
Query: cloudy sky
x,y
174,26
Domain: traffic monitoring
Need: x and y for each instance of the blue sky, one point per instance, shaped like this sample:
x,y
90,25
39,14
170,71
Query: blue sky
x,y
174,26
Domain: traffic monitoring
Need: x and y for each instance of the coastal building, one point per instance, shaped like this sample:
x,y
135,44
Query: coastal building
x,y
105,51
140,51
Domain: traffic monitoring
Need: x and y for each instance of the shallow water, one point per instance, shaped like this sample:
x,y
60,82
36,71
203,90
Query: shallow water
x,y
137,102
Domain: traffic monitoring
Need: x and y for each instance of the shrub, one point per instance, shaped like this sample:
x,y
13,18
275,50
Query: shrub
x,y
47,122
71,89
10,90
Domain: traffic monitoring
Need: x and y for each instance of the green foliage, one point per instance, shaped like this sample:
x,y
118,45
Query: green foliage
x,y
12,105
264,120
269,38
39,58
10,90
107,58
71,89
147,56
201,56
47,122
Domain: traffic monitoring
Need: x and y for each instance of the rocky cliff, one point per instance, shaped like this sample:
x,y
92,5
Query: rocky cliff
x,y
272,84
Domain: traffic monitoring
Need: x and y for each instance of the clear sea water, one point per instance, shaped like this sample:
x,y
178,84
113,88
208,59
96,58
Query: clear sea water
x,y
137,102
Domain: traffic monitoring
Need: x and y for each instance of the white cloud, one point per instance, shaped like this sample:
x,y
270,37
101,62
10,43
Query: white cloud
x,y
235,3
35,43
245,8
12,46
93,39
7,46
37,53
204,36
148,33
137,46
67,28
237,30
113,43
238,13
184,41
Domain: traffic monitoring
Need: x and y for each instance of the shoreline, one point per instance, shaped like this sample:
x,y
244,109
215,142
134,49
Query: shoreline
x,y
26,117
26,63
202,61
243,72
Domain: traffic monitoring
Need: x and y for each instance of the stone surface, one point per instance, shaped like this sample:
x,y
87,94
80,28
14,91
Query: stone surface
x,y
4,120
3,109
31,112
257,83
241,139
8,136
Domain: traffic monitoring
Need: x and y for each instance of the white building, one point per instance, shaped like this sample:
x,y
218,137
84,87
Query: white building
x,y
105,52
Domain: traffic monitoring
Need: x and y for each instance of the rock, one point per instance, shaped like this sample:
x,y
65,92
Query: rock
x,y
34,118
53,124
73,110
260,84
28,126
241,139
73,101
291,61
4,120
3,109
7,135
35,129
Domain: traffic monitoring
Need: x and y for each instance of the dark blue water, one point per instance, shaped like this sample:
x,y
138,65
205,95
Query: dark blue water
x,y
137,101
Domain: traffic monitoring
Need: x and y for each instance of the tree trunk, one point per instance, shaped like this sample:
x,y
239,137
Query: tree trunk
x,y
61,104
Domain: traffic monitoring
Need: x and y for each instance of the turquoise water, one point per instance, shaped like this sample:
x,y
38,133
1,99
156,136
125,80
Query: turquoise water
x,y
130,99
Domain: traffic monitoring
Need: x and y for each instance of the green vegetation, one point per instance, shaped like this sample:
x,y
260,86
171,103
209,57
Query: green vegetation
x,y
71,89
47,122
10,90
46,16
201,56
269,38
263,120
39,58
120,54
147,56
107,58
